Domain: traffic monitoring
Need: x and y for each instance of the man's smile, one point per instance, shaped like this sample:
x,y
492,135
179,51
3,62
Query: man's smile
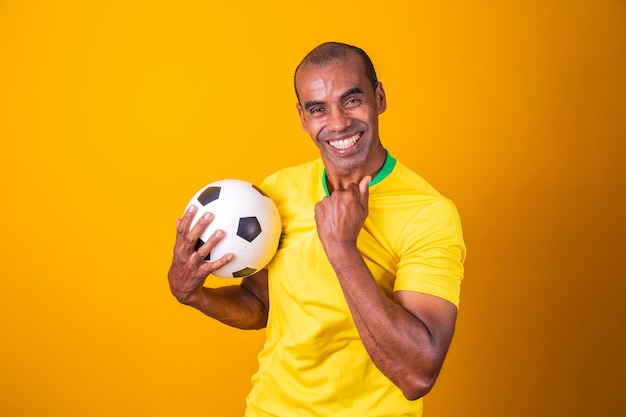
x,y
345,143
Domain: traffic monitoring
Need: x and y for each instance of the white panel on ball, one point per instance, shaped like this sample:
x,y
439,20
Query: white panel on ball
x,y
249,219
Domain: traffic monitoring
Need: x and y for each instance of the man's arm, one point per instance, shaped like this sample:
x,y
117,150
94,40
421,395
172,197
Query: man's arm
x,y
408,337
244,306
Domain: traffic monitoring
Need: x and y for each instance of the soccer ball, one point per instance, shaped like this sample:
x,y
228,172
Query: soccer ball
x,y
249,219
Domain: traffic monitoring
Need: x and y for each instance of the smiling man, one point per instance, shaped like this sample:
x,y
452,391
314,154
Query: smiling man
x,y
339,107
361,299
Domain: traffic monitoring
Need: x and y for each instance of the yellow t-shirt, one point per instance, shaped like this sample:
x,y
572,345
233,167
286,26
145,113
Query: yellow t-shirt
x,y
313,362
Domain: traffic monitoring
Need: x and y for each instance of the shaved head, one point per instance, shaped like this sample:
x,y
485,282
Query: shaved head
x,y
331,51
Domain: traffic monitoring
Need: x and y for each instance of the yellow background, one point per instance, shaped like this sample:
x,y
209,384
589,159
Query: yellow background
x,y
113,113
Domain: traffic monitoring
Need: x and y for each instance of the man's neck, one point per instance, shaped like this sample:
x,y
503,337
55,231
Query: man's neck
x,y
339,180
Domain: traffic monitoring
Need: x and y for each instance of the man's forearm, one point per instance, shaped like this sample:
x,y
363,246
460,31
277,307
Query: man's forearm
x,y
233,305
398,343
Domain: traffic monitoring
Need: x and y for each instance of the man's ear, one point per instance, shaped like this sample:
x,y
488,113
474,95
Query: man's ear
x,y
381,98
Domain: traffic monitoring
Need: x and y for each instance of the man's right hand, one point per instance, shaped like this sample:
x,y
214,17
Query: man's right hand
x,y
189,269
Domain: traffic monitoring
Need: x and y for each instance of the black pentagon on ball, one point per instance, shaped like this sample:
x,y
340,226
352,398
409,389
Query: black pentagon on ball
x,y
208,195
243,272
259,190
199,243
249,228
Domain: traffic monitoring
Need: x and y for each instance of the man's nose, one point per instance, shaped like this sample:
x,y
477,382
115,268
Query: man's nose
x,y
338,121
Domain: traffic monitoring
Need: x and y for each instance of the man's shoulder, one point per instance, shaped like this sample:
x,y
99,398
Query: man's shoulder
x,y
294,181
298,172
411,181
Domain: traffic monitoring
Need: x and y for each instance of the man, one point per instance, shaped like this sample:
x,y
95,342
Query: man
x,y
361,299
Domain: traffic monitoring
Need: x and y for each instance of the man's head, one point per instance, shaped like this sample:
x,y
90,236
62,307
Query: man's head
x,y
329,51
339,101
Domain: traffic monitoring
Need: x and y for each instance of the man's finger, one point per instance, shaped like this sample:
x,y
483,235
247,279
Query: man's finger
x,y
182,225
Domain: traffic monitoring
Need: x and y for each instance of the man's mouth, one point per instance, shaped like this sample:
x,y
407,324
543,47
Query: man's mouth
x,y
345,143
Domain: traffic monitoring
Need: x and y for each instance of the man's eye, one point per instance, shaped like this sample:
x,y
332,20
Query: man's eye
x,y
316,110
353,102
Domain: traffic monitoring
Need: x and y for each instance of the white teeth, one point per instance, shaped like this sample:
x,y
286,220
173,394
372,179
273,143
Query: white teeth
x,y
345,143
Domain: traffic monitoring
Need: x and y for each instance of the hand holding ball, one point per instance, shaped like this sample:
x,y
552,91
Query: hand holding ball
x,y
249,219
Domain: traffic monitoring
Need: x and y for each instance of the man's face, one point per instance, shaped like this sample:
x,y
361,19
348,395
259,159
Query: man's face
x,y
339,110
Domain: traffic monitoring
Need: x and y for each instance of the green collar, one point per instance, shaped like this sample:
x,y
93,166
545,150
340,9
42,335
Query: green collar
x,y
388,166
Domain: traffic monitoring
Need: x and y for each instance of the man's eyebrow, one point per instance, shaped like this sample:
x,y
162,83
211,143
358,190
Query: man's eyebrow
x,y
354,90
349,92
312,103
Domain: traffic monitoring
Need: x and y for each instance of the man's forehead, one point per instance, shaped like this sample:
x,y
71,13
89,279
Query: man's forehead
x,y
340,73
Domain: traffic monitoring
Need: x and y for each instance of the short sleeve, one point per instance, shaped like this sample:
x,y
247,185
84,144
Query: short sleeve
x,y
432,253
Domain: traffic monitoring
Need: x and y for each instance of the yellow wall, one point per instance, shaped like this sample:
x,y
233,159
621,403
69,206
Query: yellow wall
x,y
113,113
